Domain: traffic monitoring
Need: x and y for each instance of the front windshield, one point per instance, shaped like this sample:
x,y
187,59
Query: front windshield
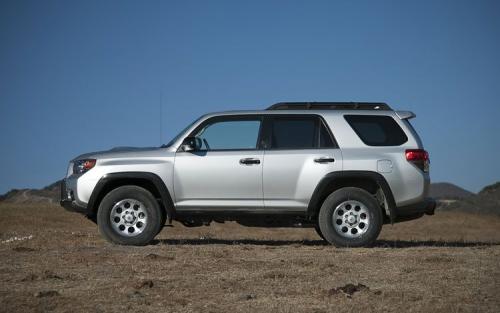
x,y
171,142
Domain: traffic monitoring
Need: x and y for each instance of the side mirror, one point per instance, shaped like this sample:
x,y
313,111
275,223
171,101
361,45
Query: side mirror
x,y
190,144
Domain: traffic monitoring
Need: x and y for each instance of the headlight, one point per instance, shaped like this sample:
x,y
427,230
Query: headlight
x,y
82,166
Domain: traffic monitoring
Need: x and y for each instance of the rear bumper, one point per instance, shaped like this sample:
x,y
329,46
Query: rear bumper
x,y
410,212
68,200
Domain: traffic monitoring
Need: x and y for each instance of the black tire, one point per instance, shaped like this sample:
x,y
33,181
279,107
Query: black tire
x,y
151,208
318,231
92,218
163,220
338,198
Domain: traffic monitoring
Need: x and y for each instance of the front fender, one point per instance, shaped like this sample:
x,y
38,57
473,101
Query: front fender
x,y
112,180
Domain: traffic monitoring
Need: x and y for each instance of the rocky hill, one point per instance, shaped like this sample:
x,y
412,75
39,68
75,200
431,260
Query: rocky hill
x,y
448,191
50,194
486,201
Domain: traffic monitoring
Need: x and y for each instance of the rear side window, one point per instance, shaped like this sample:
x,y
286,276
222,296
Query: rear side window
x,y
299,132
325,140
294,133
377,130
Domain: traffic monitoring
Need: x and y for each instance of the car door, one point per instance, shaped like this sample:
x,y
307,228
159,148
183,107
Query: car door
x,y
300,151
225,172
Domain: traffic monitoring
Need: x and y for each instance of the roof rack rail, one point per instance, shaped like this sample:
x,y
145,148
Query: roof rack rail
x,y
329,106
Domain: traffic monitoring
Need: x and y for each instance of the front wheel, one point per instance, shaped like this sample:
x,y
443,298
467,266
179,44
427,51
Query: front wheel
x,y
350,217
318,231
129,215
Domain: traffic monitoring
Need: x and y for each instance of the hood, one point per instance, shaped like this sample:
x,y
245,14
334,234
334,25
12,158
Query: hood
x,y
118,152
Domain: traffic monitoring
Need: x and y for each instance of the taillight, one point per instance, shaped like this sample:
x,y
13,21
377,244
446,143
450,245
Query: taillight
x,y
419,157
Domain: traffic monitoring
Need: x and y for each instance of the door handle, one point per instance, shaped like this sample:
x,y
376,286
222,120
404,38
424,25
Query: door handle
x,y
249,161
324,160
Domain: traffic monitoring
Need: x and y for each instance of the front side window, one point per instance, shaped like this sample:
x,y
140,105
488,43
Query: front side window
x,y
232,134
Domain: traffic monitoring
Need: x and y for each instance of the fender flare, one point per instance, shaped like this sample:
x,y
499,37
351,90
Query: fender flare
x,y
330,179
157,182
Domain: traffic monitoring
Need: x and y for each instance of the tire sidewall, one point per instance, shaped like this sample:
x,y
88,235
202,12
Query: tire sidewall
x,y
318,231
152,208
325,219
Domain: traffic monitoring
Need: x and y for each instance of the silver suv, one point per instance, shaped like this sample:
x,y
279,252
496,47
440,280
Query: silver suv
x,y
343,168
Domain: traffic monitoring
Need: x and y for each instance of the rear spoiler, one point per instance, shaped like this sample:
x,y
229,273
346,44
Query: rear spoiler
x,y
405,115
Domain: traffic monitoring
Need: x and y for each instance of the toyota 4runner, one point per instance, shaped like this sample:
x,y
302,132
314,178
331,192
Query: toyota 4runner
x,y
343,168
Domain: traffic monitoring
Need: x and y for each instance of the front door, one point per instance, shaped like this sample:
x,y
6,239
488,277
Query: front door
x,y
225,171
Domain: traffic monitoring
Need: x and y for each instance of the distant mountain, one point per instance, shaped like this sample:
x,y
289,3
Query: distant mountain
x,y
448,191
491,191
48,194
486,201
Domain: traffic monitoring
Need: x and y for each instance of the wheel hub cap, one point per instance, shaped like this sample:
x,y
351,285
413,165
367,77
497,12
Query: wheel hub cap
x,y
128,217
351,219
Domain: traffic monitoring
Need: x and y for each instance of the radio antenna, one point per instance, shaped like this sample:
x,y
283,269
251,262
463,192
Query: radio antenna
x,y
161,115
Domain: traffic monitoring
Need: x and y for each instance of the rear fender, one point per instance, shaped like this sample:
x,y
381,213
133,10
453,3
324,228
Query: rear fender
x,y
336,180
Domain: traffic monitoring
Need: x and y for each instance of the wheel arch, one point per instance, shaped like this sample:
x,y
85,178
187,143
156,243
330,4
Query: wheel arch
x,y
149,181
367,180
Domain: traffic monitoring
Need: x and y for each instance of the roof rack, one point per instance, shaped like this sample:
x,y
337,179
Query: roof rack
x,y
329,106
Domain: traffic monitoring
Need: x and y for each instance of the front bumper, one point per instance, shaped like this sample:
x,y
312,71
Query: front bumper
x,y
410,212
68,200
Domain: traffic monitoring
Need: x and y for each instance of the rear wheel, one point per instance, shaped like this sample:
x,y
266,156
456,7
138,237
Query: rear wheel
x,y
129,215
350,217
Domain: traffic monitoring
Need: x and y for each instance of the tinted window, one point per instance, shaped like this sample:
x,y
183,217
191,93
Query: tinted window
x,y
232,134
325,140
377,130
294,133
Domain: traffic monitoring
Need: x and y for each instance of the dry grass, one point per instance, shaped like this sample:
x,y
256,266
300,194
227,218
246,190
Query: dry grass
x,y
445,263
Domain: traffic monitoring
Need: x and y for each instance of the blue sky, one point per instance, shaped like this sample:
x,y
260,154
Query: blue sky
x,y
86,76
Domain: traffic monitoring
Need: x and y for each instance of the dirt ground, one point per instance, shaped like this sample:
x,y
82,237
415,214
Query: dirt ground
x,y
52,260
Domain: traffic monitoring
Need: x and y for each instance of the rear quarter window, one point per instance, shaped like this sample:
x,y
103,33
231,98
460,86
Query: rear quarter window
x,y
377,130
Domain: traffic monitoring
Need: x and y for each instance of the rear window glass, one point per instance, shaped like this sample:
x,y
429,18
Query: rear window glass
x,y
377,130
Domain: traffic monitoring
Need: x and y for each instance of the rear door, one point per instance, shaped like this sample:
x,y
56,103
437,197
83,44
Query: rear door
x,y
300,151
